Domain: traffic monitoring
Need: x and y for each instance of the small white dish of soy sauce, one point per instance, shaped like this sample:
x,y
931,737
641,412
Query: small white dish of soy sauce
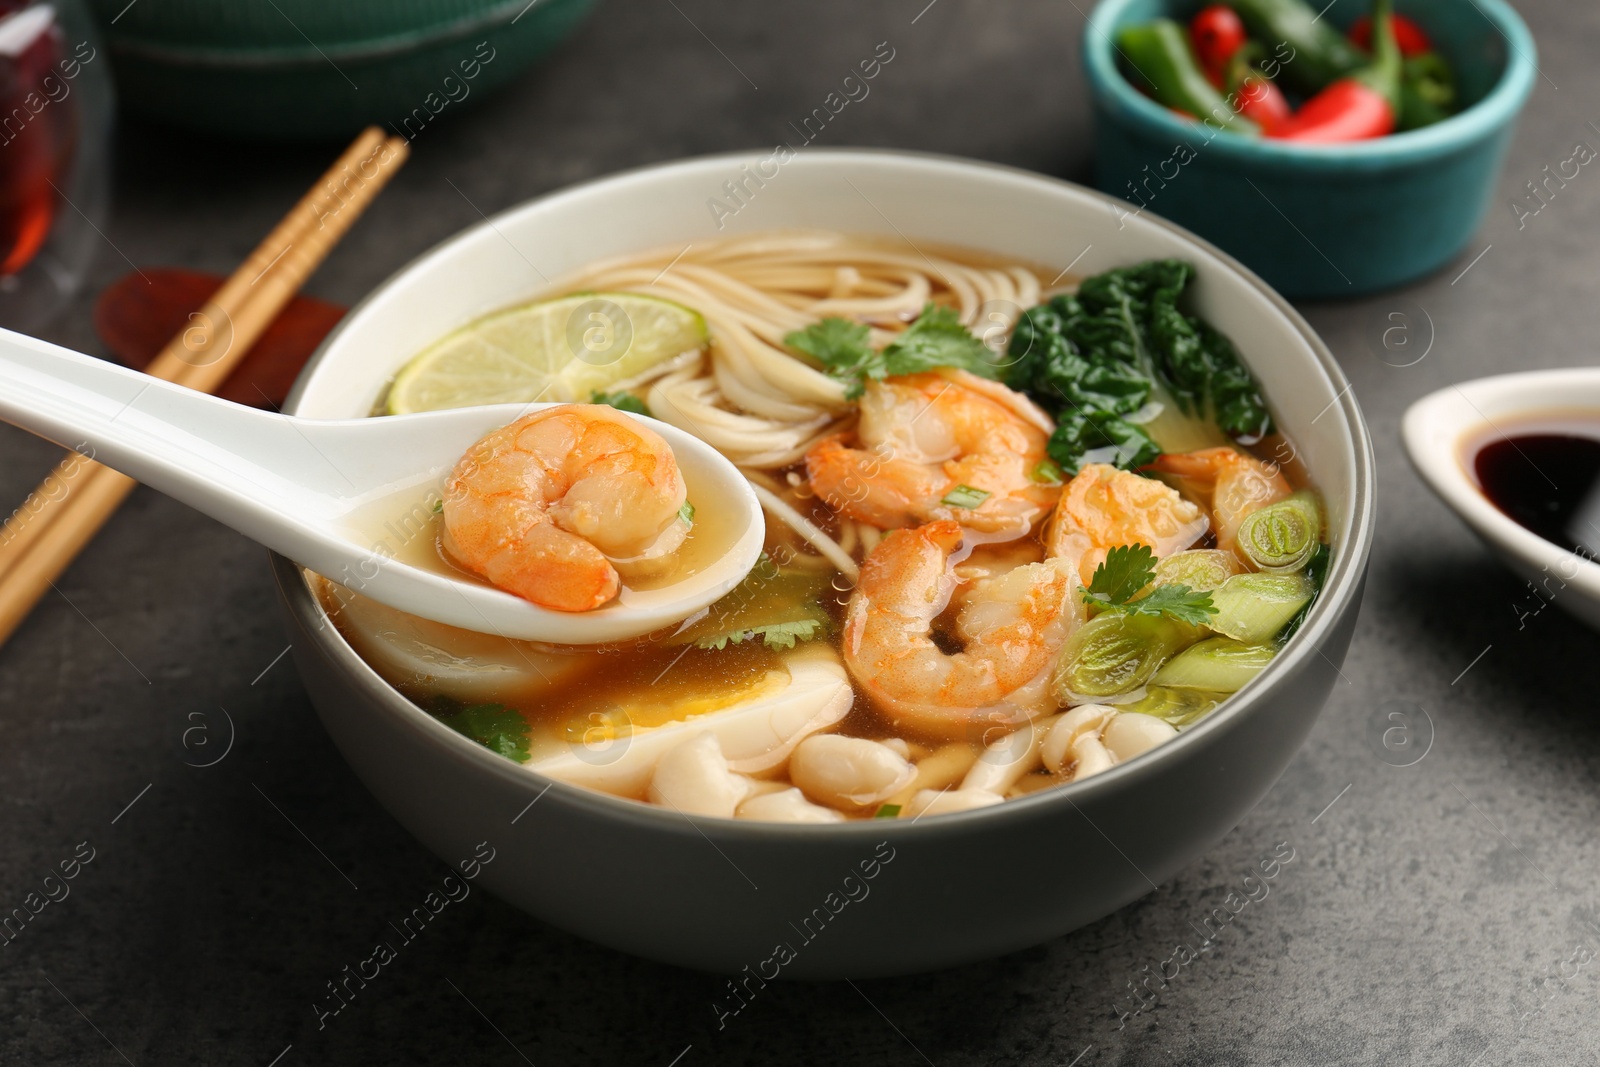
x,y
1517,456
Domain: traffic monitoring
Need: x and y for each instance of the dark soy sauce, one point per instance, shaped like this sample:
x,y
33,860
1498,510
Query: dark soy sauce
x,y
1548,480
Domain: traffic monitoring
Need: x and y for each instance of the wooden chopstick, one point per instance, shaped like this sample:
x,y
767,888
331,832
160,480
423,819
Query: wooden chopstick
x,y
193,356
75,500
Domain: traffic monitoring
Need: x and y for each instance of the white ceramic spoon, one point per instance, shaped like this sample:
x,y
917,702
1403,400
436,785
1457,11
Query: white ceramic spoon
x,y
307,488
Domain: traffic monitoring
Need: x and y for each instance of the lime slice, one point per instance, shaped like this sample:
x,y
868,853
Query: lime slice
x,y
562,349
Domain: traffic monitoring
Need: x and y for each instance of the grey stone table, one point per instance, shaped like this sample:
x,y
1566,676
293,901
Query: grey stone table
x,y
1438,913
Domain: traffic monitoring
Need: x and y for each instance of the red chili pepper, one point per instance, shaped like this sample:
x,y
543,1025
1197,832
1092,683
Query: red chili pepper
x,y
1412,38
1361,105
1262,102
1216,33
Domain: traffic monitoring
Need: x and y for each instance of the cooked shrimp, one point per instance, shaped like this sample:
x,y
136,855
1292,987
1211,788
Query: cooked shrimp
x,y
549,506
1239,484
923,435
1103,507
1011,627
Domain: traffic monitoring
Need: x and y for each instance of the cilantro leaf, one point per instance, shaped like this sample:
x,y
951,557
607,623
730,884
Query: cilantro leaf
x,y
1176,602
935,339
495,726
841,346
1127,569
621,401
777,635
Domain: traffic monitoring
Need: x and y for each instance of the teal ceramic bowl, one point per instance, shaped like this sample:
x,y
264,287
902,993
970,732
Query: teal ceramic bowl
x,y
311,69
1321,220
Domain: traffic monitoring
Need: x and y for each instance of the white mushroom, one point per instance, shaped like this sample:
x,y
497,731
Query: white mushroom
x,y
694,779
848,772
1057,749
755,735
943,768
1090,757
1007,759
1131,733
1093,737
900,746
935,802
788,805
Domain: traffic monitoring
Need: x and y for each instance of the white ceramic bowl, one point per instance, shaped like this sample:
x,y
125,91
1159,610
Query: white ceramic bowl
x,y
870,897
1440,428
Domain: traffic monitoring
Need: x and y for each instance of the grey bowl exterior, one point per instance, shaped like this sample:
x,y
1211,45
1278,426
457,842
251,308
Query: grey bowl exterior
x,y
722,895
868,898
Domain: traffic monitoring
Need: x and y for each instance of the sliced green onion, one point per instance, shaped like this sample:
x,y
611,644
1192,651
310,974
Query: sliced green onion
x,y
1049,472
1216,665
438,506
888,811
1203,569
686,513
1282,536
1116,653
964,496
1254,608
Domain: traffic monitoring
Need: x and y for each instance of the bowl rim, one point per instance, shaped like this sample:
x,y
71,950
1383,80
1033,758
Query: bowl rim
x,y
1497,109
1341,589
1440,415
493,18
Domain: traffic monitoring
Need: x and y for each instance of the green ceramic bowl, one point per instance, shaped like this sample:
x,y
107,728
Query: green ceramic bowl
x,y
1321,220
311,69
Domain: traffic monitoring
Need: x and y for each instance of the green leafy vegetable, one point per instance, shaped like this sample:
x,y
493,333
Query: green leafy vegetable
x,y
496,727
887,811
686,513
438,507
777,635
780,607
964,496
935,339
1126,571
621,401
1096,358
1084,437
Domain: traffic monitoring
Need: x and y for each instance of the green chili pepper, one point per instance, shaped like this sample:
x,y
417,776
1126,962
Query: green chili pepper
x,y
1160,54
1320,52
1427,90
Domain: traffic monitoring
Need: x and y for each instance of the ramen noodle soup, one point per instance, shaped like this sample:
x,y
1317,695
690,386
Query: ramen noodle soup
x,y
1019,529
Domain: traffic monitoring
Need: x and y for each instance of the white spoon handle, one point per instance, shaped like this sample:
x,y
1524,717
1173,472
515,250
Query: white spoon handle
x,y
189,445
